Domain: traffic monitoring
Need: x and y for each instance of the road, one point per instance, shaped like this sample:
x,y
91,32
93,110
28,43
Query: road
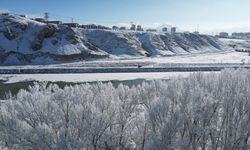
x,y
133,69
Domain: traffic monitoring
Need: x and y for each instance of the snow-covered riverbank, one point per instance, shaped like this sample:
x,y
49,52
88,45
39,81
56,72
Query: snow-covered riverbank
x,y
78,78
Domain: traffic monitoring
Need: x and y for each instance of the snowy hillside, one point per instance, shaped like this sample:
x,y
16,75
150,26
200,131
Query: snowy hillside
x,y
150,44
25,41
237,44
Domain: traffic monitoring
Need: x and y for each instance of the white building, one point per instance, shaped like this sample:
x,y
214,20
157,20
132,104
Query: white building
x,y
133,27
139,28
165,29
173,30
224,35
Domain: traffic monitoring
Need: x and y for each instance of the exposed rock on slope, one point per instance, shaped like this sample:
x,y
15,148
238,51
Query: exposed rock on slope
x,y
25,41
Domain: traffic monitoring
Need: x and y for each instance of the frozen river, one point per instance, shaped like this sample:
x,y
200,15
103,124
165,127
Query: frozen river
x,y
13,83
89,77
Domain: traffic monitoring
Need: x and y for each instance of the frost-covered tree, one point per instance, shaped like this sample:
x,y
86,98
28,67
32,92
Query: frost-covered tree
x,y
200,112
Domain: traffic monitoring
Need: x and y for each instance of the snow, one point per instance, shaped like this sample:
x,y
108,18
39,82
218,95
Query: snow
x,y
154,47
115,43
99,43
182,113
223,57
243,44
77,78
25,37
206,58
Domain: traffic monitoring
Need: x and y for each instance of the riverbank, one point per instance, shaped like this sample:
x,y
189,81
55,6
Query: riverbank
x,y
167,68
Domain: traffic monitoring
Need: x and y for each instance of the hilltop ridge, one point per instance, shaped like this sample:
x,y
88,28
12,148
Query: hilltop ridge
x,y
25,41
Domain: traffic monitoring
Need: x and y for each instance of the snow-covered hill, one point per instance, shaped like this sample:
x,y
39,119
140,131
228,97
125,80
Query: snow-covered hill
x,y
25,41
237,44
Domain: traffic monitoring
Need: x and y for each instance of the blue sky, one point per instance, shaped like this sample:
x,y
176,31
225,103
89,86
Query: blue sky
x,y
211,15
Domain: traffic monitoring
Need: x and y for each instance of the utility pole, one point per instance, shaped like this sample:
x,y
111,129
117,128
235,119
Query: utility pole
x,y
46,16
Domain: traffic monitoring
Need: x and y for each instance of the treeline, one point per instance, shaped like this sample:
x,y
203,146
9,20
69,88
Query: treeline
x,y
201,112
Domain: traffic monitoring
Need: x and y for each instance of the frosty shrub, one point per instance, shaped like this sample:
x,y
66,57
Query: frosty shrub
x,y
201,112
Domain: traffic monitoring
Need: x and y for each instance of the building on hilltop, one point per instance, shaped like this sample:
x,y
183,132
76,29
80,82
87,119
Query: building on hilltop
x,y
139,28
165,29
42,20
115,28
93,26
89,26
24,16
133,27
196,32
173,30
240,35
72,25
103,27
151,30
223,35
122,28
4,14
55,22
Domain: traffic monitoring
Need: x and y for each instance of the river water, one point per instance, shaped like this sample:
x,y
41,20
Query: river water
x,y
13,83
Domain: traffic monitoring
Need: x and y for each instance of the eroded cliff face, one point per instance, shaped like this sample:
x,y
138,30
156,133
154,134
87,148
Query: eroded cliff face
x,y
25,41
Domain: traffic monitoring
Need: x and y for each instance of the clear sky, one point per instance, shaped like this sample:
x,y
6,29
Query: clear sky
x,y
211,15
